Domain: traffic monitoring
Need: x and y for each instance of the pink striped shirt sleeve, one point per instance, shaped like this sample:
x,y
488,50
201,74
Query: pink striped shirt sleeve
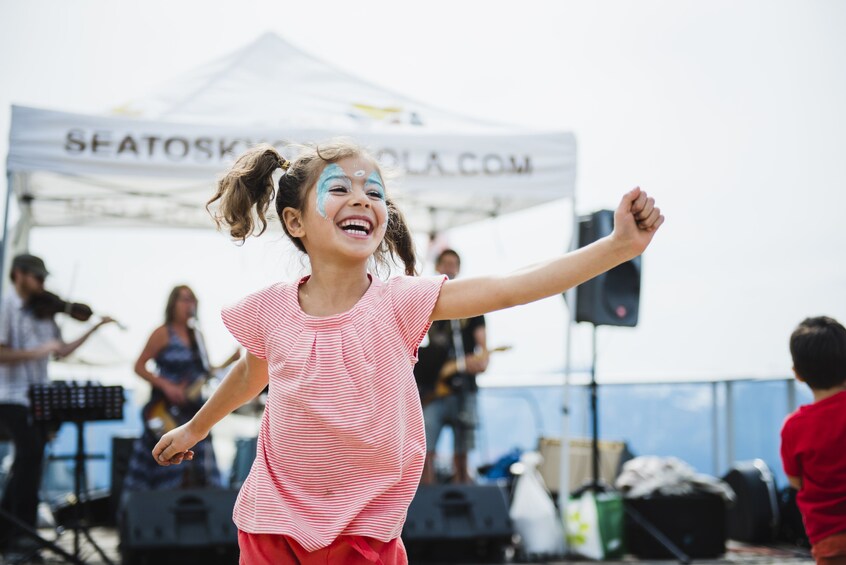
x,y
413,300
244,322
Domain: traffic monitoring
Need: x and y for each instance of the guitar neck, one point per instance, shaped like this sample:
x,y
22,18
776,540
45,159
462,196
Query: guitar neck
x,y
193,391
451,367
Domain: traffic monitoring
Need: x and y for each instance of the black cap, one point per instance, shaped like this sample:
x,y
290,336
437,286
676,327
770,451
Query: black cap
x,y
30,264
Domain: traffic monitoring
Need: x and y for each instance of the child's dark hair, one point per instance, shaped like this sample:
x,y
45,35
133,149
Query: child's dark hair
x,y
249,184
447,252
818,348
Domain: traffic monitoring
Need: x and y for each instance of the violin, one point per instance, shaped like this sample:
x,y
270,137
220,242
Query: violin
x,y
45,305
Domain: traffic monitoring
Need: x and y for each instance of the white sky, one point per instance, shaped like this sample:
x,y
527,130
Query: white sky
x,y
730,113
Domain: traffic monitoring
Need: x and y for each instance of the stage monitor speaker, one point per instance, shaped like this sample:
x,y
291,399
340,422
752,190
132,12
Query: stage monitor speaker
x,y
121,452
96,509
612,298
695,523
179,526
458,523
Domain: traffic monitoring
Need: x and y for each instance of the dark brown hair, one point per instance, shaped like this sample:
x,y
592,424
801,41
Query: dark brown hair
x,y
170,309
818,348
246,190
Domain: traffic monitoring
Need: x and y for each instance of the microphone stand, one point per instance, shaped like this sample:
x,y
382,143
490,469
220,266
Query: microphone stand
x,y
202,353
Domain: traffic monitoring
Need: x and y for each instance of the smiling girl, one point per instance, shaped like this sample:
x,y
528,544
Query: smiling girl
x,y
341,445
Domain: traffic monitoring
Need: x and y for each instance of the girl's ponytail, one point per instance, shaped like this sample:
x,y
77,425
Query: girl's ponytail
x,y
247,184
398,239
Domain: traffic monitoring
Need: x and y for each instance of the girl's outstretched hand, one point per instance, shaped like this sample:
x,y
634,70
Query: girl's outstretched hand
x,y
636,221
175,446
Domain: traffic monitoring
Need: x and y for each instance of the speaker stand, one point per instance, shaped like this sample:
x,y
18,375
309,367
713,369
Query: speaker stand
x,y
596,486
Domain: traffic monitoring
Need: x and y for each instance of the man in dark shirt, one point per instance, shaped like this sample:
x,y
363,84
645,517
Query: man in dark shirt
x,y
455,354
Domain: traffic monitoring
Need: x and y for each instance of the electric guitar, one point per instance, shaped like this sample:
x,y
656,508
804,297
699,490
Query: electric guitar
x,y
443,387
161,416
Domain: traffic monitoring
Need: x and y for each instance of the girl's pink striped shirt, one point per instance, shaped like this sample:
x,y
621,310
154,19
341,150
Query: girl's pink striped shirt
x,y
342,443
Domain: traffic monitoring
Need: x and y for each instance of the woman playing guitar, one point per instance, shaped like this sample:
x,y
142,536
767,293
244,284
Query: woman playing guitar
x,y
181,368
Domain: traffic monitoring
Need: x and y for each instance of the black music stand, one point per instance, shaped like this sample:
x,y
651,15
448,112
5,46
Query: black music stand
x,y
60,402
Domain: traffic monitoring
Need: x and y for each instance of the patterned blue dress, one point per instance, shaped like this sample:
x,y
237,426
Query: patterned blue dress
x,y
177,362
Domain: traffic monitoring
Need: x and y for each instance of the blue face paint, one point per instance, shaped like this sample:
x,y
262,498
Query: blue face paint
x,y
330,174
376,181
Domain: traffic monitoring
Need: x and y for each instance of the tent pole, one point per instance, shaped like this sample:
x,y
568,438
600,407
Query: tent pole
x,y
5,245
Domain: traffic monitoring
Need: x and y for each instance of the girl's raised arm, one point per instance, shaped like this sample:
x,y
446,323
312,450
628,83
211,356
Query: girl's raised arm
x,y
635,223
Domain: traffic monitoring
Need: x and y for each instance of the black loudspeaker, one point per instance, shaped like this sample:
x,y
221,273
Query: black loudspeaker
x,y
754,516
178,527
461,523
95,510
612,298
121,452
696,523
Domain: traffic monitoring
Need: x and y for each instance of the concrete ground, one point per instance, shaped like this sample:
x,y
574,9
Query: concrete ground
x,y
737,554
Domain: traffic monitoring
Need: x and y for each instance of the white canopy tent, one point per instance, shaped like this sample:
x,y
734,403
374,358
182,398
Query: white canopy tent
x,y
154,161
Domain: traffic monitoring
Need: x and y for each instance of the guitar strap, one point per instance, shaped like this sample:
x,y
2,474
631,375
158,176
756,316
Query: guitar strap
x,y
461,366
201,345
204,361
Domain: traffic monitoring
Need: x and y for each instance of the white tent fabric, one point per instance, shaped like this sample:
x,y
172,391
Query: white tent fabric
x,y
154,161
273,84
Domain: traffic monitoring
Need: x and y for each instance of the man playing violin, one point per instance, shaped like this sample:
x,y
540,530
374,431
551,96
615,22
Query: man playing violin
x,y
27,341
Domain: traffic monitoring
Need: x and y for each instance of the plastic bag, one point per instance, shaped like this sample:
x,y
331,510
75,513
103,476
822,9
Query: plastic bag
x,y
533,512
595,525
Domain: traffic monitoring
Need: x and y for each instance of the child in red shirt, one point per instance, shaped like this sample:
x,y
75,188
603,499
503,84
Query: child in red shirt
x,y
813,439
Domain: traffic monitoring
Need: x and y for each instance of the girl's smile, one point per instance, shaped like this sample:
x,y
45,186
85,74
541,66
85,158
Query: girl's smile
x,y
358,227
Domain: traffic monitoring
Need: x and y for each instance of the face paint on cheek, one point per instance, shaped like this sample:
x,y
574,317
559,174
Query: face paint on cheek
x,y
331,172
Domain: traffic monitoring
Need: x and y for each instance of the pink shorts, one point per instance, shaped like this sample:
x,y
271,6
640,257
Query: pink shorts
x,y
272,549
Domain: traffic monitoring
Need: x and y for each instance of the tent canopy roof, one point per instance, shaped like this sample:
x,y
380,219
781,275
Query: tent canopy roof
x,y
271,83
154,161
